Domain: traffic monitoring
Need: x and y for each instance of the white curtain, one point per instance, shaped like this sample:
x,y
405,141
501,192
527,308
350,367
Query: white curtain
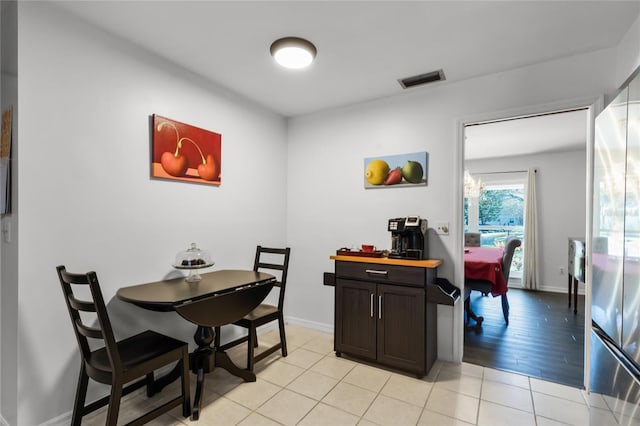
x,y
530,274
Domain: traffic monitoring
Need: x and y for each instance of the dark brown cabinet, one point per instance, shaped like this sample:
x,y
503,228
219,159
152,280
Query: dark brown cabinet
x,y
356,318
382,315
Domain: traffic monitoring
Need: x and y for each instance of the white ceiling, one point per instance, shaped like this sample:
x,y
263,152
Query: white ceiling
x,y
364,47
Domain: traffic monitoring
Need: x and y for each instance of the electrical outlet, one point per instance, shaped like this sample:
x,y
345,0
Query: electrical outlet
x,y
562,270
442,228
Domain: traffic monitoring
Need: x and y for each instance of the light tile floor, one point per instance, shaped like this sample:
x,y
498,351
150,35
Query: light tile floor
x,y
312,386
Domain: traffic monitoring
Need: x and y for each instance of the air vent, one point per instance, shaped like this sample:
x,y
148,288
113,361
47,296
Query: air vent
x,y
417,80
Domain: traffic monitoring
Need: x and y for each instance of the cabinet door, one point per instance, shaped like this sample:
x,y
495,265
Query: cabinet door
x,y
401,327
355,327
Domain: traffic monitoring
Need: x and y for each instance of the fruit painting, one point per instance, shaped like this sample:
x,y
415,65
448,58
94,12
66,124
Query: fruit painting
x,y
396,170
185,153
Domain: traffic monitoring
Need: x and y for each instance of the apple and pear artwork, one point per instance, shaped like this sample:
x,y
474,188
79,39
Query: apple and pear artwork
x,y
185,153
392,171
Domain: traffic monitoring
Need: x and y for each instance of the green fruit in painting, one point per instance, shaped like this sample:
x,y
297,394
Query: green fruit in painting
x,y
412,172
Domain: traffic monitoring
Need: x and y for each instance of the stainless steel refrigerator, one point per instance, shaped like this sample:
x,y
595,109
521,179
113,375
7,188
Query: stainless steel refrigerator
x,y
615,256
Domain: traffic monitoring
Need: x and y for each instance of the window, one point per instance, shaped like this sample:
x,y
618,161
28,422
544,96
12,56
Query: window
x,y
498,213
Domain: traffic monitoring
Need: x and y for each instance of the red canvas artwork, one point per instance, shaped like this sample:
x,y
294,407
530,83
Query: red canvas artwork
x,y
186,153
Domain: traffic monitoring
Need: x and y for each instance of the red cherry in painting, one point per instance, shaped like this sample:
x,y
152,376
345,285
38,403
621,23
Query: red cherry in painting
x,y
209,169
175,165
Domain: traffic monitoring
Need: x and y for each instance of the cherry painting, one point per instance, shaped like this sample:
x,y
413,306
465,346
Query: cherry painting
x,y
184,152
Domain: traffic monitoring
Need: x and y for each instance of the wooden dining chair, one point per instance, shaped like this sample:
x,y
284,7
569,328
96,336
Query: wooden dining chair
x,y
265,313
118,363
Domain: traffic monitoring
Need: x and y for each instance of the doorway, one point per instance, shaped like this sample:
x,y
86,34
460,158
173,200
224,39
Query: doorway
x,y
497,154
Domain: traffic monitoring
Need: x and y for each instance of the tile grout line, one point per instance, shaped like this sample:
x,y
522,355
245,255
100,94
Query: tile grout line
x,y
320,400
317,402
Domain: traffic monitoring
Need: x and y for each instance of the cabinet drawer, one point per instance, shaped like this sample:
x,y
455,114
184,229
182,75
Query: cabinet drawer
x,y
393,274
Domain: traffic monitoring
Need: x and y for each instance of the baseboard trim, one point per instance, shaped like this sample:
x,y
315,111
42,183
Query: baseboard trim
x,y
550,289
61,420
327,328
64,419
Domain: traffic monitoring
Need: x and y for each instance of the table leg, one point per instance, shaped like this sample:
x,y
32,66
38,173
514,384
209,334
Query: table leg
x,y
159,383
223,361
197,400
569,290
200,363
205,359
575,296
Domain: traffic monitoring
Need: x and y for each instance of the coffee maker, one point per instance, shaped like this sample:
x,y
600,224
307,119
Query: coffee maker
x,y
408,238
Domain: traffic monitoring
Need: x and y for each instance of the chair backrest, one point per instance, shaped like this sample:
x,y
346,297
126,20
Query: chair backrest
x,y
510,247
472,239
270,265
93,310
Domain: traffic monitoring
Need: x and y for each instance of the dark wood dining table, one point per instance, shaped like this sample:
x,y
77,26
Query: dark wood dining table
x,y
219,298
483,272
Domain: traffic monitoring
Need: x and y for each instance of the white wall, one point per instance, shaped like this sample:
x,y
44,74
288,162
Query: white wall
x,y
561,190
328,206
87,201
628,53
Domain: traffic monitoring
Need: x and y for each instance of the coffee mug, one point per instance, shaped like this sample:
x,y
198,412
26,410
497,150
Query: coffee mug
x,y
368,248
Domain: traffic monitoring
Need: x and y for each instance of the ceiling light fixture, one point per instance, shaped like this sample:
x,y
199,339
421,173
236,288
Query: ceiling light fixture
x,y
293,52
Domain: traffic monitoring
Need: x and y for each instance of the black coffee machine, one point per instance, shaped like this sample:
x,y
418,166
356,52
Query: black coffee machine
x,y
408,238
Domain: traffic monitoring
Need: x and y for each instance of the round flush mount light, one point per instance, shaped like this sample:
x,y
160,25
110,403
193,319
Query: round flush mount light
x,y
293,52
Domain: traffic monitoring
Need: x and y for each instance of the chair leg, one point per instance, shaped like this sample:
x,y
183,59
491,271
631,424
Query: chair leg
x,y
216,337
283,339
186,390
251,348
505,308
472,315
150,382
81,393
114,403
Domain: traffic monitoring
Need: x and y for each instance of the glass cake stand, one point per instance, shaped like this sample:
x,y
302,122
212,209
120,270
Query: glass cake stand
x,y
193,259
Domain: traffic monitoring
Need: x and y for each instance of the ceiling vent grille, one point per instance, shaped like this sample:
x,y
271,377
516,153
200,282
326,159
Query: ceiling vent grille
x,y
417,80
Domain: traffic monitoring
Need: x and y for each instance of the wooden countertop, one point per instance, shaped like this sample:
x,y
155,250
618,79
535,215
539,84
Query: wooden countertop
x,y
426,263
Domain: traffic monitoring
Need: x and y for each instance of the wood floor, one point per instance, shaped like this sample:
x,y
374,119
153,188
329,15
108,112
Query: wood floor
x,y
544,338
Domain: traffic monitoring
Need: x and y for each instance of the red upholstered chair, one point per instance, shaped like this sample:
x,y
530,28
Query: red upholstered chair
x,y
118,363
472,239
511,244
